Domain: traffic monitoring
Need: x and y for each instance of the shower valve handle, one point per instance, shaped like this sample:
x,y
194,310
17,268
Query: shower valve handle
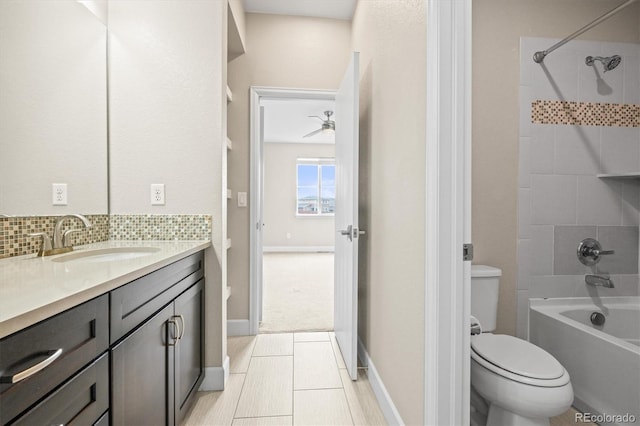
x,y
590,250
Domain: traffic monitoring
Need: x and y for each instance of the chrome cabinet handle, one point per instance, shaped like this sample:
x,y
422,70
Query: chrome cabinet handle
x,y
183,327
18,377
176,330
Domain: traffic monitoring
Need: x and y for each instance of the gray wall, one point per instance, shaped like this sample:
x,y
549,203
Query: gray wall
x,y
280,216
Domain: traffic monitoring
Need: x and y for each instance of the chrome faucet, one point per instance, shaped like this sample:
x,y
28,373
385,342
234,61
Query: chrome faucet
x,y
60,239
598,280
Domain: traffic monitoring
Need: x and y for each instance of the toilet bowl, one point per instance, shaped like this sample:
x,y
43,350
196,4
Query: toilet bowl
x,y
513,382
520,383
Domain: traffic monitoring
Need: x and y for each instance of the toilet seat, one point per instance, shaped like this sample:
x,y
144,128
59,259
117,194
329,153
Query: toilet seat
x,y
518,360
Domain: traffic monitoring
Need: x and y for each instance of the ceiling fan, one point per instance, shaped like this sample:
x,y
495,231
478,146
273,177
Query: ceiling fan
x,y
328,125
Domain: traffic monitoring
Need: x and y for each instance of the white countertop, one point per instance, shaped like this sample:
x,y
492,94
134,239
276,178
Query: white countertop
x,y
34,288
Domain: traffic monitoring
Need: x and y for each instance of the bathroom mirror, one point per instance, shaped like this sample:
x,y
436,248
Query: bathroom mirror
x,y
53,107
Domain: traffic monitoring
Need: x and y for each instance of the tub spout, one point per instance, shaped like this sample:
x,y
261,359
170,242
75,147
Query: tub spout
x,y
597,280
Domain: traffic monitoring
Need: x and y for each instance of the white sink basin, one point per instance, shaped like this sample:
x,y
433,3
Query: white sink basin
x,y
107,254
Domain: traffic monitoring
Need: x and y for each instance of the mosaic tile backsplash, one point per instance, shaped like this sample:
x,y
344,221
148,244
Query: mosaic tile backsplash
x,y
160,227
15,242
585,113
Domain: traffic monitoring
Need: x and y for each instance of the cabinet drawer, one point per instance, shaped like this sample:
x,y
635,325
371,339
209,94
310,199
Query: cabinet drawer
x,y
133,303
71,340
81,401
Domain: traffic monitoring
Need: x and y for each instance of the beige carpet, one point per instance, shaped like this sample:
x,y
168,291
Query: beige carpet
x,y
297,292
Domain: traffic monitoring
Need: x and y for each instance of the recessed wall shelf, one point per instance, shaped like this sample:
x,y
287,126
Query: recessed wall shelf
x,y
631,175
229,94
229,144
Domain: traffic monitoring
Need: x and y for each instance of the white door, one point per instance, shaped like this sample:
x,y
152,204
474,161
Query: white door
x,y
346,217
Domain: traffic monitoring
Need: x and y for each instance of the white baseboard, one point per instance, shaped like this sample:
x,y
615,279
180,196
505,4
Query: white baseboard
x,y
238,327
389,409
215,377
298,249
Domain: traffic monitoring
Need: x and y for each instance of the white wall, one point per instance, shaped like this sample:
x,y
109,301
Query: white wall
x,y
53,108
168,122
391,37
280,207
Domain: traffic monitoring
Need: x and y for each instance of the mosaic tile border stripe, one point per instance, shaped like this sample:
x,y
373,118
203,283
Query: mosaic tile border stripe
x,y
585,113
15,242
160,227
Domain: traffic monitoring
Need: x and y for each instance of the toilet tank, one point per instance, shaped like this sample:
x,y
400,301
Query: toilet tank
x,y
485,284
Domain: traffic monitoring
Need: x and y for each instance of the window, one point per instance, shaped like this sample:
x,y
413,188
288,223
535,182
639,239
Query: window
x,y
316,186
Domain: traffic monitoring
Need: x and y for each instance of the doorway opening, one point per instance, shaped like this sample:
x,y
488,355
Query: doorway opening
x,y
294,251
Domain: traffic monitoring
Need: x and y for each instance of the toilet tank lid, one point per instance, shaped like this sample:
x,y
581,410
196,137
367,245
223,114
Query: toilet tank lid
x,y
478,271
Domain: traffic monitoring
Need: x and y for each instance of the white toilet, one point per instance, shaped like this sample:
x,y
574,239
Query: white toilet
x,y
513,382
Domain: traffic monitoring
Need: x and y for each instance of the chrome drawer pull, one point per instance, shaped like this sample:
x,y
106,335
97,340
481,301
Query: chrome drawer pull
x,y
183,327
53,355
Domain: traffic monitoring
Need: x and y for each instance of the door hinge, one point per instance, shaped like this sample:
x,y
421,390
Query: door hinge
x,y
467,252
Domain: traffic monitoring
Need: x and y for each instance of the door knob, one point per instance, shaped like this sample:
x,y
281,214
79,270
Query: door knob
x,y
348,232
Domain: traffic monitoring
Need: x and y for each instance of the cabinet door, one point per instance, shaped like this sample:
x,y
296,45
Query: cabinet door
x,y
189,351
142,380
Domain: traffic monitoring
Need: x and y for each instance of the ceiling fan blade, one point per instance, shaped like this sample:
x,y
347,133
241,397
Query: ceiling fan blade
x,y
312,133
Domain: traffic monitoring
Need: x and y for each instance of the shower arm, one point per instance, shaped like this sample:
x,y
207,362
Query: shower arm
x,y
538,57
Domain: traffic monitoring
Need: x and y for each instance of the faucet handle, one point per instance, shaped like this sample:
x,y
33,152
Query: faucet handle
x,y
46,241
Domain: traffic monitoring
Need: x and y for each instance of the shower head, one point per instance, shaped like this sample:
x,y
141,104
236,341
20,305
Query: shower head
x,y
609,62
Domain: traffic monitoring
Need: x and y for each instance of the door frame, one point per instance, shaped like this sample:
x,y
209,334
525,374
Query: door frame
x,y
448,213
256,200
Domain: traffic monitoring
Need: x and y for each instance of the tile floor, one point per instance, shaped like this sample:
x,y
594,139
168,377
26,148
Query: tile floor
x,y
287,379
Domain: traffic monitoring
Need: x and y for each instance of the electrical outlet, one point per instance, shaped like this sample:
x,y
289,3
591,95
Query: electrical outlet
x,y
59,194
157,194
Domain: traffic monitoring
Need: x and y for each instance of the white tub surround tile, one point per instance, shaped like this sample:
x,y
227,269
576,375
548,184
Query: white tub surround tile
x,y
524,264
524,213
553,199
541,152
577,150
526,98
522,317
565,245
624,241
620,149
524,174
541,250
631,92
631,203
599,201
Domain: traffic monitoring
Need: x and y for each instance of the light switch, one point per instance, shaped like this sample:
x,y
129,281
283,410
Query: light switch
x,y
242,199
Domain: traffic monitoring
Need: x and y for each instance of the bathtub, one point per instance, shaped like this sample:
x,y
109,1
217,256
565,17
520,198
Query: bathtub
x,y
603,361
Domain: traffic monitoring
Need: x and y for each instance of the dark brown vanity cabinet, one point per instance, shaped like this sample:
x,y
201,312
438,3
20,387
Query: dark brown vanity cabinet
x,y
134,356
54,363
157,368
